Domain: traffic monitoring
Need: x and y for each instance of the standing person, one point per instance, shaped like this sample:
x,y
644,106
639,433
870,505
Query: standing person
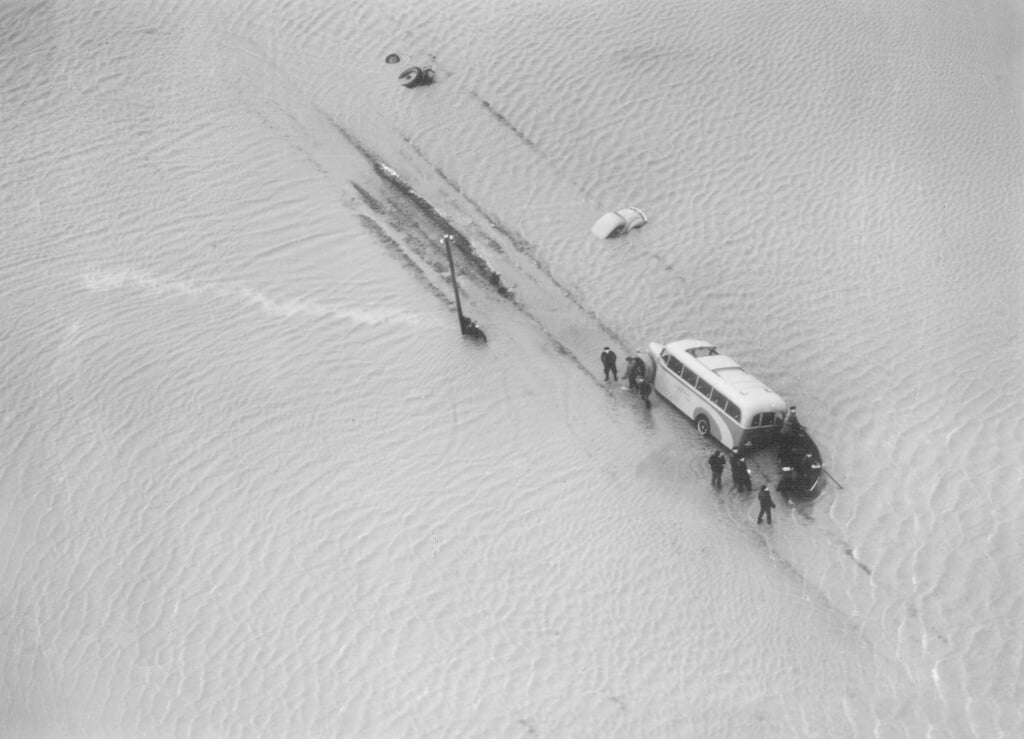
x,y
748,485
608,360
789,424
641,368
764,497
717,463
643,385
740,471
632,370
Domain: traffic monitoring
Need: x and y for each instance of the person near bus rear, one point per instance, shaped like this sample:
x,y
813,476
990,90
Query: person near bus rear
x,y
608,360
789,423
643,386
717,463
764,497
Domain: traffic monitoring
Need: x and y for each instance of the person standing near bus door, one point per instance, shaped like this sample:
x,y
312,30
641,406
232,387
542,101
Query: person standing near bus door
x,y
608,360
764,497
717,463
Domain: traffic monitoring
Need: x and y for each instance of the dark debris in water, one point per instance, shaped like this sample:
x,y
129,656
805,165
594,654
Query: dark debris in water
x,y
459,240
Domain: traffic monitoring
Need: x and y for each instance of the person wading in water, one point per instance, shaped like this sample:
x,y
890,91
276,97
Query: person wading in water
x,y
608,360
643,386
635,368
717,463
764,497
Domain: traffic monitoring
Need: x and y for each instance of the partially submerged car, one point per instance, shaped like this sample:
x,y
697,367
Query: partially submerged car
x,y
618,222
416,77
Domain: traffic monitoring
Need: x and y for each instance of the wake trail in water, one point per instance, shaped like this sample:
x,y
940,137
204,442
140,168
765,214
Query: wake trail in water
x,y
161,285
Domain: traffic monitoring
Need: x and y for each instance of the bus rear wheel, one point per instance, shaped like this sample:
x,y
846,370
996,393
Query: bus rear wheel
x,y
703,426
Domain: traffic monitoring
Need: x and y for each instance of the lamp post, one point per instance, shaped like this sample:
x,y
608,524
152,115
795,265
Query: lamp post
x,y
447,241
467,325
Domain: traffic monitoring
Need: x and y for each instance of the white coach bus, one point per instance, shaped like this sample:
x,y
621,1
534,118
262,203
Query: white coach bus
x,y
723,399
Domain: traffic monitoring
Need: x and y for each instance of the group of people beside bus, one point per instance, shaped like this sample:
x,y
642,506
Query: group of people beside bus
x,y
636,377
636,373
741,478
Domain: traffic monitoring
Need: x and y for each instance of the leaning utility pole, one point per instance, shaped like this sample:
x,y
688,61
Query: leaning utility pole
x,y
447,241
467,325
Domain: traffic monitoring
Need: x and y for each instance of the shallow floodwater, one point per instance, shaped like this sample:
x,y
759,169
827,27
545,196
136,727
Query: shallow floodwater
x,y
256,484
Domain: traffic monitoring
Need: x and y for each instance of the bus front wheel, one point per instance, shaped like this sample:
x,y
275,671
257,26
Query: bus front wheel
x,y
703,426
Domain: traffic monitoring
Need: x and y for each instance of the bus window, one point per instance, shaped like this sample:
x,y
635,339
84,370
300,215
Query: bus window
x,y
689,376
704,386
732,411
674,364
718,399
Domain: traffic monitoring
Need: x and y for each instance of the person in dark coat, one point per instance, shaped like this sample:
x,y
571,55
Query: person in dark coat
x,y
740,472
608,360
634,368
764,497
641,368
733,467
643,386
717,463
790,424
745,470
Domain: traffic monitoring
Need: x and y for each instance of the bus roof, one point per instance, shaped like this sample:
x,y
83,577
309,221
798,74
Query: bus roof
x,y
725,369
686,344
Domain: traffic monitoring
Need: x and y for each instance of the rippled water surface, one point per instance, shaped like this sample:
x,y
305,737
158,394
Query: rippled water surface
x,y
256,484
